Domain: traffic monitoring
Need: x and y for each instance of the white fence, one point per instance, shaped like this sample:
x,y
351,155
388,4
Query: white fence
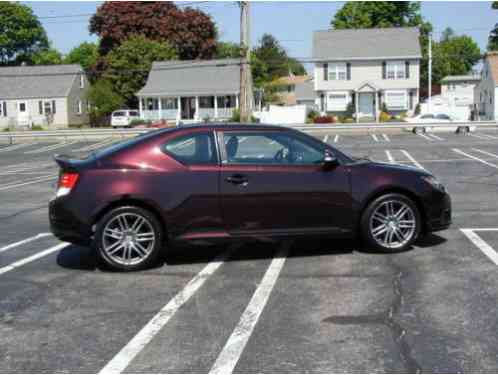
x,y
286,115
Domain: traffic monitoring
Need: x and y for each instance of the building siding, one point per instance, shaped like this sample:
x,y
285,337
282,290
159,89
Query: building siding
x,y
75,94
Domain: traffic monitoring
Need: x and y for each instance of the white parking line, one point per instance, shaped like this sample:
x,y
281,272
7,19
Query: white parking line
x,y
34,167
412,159
25,241
386,138
16,147
374,137
486,153
52,147
425,137
32,258
481,244
94,146
474,157
390,157
435,137
336,138
29,182
230,354
121,360
482,136
326,138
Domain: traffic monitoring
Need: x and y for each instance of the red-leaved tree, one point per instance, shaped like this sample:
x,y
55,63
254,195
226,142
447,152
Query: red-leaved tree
x,y
190,31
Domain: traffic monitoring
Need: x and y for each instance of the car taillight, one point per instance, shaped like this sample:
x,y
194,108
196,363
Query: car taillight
x,y
67,181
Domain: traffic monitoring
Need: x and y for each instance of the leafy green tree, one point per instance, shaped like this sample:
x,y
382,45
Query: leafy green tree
x,y
227,50
493,35
49,56
21,33
453,55
128,65
85,54
270,61
103,99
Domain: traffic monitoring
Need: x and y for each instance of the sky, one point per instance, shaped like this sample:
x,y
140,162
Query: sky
x,y
291,22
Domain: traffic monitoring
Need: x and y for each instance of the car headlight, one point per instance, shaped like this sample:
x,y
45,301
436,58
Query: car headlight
x,y
431,180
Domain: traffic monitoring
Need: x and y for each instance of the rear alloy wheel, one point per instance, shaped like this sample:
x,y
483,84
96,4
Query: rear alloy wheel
x,y
463,130
419,130
391,223
128,238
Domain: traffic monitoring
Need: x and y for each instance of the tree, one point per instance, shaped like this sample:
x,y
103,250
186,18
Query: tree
x,y
453,55
86,54
190,32
103,99
493,35
20,32
127,66
49,56
227,50
270,61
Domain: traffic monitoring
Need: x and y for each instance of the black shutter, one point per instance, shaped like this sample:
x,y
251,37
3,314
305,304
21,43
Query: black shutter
x,y
325,72
5,109
407,69
383,70
40,107
348,71
53,107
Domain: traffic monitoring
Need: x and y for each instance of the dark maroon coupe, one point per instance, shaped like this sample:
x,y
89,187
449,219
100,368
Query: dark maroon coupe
x,y
219,181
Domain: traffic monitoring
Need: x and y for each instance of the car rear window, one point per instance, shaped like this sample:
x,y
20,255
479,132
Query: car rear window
x,y
119,114
133,113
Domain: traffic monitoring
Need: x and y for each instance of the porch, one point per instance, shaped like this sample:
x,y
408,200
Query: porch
x,y
188,108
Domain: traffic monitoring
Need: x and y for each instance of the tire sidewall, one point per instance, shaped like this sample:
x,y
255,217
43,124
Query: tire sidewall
x,y
98,239
365,223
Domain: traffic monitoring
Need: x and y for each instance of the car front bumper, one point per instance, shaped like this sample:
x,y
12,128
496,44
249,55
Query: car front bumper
x,y
438,209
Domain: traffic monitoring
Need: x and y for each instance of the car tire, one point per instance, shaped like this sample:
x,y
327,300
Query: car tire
x,y
419,130
129,245
405,229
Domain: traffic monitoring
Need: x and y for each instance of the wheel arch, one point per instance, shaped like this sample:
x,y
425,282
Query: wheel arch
x,y
136,202
394,190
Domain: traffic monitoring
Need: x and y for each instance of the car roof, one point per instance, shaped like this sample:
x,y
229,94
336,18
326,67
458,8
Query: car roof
x,y
232,126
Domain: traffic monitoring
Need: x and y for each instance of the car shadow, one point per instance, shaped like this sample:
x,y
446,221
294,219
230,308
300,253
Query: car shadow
x,y
85,258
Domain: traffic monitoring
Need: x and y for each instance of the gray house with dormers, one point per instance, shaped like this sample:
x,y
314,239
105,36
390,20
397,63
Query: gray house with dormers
x,y
53,96
367,68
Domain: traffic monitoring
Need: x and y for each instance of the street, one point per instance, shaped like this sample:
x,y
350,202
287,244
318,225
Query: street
x,y
318,306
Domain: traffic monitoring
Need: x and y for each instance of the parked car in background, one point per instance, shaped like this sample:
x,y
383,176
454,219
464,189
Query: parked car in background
x,y
217,182
437,122
124,118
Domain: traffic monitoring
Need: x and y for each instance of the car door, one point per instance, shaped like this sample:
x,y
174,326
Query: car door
x,y
272,182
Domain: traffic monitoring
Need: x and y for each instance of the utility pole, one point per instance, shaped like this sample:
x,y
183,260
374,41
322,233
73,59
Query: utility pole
x,y
429,101
246,94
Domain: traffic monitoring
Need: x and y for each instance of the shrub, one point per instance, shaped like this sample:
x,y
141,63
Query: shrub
x,y
323,120
384,116
417,109
36,128
349,120
312,115
139,122
235,116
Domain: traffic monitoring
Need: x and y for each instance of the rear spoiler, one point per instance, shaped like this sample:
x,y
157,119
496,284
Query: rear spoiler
x,y
67,163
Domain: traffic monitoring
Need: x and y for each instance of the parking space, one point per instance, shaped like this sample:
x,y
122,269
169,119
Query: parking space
x,y
317,305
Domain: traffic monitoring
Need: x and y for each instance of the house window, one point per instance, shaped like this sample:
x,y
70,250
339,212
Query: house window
x,y
395,70
46,107
337,101
78,107
3,109
396,100
152,104
82,81
206,102
226,101
169,103
337,72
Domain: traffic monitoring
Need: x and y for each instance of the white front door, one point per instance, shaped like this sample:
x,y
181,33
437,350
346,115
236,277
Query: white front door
x,y
22,113
366,105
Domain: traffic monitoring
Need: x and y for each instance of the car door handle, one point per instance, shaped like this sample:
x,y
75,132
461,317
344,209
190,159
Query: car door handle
x,y
237,179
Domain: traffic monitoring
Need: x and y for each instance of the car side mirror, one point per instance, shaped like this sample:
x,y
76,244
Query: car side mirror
x,y
329,160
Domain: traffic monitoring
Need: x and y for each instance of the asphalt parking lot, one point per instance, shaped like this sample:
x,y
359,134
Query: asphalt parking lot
x,y
295,306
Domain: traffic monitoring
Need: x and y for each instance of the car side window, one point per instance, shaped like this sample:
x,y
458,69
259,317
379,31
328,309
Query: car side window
x,y
443,117
191,149
269,148
427,117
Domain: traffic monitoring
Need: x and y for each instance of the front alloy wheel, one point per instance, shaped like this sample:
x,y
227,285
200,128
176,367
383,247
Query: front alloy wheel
x,y
128,238
391,223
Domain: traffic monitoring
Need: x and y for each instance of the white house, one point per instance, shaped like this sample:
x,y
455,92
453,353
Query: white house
x,y
368,68
486,91
191,90
50,96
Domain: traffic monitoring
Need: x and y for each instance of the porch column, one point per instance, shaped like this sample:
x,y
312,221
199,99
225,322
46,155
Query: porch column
x,y
357,106
215,107
376,106
237,101
160,107
140,108
196,117
179,113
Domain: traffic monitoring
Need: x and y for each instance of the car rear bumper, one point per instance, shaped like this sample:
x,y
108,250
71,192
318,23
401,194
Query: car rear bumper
x,y
438,212
66,226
